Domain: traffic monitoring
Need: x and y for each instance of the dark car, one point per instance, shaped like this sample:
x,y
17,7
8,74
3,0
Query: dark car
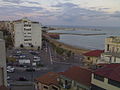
x,y
34,53
30,69
22,79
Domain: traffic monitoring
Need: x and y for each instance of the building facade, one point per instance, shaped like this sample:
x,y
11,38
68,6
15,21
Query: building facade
x,y
27,34
91,57
48,82
106,78
3,73
75,78
112,50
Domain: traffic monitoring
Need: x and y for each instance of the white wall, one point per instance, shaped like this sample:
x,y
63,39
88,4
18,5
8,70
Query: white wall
x,y
19,34
36,35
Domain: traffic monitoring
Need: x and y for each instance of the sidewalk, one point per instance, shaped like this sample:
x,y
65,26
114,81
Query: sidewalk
x,y
23,69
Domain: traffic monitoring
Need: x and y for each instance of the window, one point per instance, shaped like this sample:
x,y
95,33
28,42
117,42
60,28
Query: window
x,y
113,82
45,87
27,39
108,47
99,77
88,58
27,36
80,88
27,29
54,88
27,25
29,33
94,87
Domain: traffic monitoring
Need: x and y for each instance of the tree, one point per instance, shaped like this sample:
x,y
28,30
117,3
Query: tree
x,y
8,41
11,59
60,50
69,53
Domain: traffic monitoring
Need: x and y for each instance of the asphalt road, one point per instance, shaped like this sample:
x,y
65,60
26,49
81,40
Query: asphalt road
x,y
52,63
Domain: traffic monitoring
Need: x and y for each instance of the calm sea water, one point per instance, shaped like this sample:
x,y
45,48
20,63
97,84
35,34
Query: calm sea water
x,y
88,42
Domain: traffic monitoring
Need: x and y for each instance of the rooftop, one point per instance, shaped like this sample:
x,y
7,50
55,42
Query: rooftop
x,y
111,71
81,75
49,78
94,53
3,88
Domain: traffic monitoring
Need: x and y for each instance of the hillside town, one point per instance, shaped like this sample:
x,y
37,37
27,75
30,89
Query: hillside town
x,y
32,59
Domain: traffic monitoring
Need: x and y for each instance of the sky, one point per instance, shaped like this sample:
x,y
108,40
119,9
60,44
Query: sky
x,y
63,12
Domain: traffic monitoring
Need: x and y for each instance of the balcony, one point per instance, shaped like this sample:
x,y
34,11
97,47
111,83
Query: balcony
x,y
66,86
112,54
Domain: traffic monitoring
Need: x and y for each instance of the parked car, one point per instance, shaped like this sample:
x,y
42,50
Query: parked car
x,y
10,69
22,79
30,69
18,52
8,77
22,56
34,53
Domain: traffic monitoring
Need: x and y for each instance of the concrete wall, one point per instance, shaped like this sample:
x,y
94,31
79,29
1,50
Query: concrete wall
x,y
3,61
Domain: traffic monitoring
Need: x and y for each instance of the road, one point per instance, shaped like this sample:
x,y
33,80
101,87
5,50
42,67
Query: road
x,y
52,63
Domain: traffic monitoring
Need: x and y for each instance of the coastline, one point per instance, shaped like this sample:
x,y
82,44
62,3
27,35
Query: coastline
x,y
79,34
69,47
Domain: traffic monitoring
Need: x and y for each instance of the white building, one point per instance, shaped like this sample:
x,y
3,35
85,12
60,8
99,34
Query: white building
x,y
112,50
3,73
27,33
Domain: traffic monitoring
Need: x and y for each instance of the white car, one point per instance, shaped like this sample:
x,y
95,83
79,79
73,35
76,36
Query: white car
x,y
8,77
18,52
36,58
10,69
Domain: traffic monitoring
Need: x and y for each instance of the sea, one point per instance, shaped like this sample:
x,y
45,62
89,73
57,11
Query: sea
x,y
91,42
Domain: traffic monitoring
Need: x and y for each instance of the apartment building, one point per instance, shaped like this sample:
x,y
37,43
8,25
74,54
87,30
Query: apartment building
x,y
112,50
27,34
3,73
106,78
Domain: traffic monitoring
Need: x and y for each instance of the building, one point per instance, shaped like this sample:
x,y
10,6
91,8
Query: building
x,y
106,78
27,34
3,73
91,57
112,50
75,78
1,35
48,82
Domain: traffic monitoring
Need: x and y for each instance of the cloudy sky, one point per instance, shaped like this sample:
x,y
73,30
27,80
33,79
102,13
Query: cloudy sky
x,y
63,12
